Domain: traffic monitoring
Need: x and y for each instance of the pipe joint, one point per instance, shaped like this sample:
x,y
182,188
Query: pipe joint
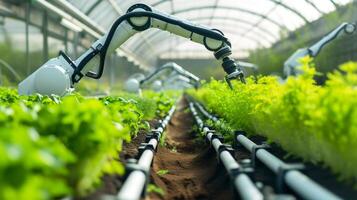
x,y
282,171
154,134
145,146
236,143
255,148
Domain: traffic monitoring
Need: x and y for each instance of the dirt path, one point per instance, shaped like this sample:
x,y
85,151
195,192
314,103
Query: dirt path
x,y
193,172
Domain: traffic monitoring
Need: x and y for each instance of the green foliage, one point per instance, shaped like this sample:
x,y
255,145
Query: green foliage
x,y
155,189
317,123
146,105
164,100
53,147
162,172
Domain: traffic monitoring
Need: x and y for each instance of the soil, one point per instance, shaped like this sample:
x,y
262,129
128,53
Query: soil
x,y
112,183
193,172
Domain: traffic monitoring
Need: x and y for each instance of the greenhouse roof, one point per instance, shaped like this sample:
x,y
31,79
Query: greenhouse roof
x,y
249,24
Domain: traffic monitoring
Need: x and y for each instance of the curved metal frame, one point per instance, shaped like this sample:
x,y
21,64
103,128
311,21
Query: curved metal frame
x,y
314,6
226,8
233,9
95,4
140,48
156,34
235,19
232,19
297,13
290,9
225,30
160,50
231,25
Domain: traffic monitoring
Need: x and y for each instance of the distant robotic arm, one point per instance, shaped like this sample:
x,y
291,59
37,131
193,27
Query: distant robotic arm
x,y
58,75
134,83
173,67
291,64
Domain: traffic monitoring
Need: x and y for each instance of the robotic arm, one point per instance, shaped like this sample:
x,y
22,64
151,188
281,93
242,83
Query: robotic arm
x,y
173,67
291,64
134,83
58,75
177,82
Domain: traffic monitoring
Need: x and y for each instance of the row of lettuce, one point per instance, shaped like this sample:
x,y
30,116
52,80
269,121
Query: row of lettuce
x,y
53,147
316,123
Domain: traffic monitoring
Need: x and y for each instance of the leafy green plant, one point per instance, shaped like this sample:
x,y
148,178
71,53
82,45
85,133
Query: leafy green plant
x,y
162,172
173,149
53,147
164,101
317,123
155,189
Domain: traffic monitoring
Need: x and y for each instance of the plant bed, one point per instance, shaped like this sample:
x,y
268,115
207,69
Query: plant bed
x,y
316,123
184,166
54,147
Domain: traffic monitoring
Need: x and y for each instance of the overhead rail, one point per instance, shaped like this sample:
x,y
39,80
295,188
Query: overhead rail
x,y
287,174
134,186
243,184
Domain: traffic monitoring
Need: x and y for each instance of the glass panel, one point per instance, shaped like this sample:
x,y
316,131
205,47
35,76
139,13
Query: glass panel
x,y
309,12
35,48
325,6
54,46
12,48
83,5
184,4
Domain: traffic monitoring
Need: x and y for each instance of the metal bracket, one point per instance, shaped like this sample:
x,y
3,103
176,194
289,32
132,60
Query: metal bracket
x,y
255,148
283,169
154,134
225,147
236,144
145,146
206,133
218,136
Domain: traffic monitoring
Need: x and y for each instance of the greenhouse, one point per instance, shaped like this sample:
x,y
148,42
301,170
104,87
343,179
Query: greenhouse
x,y
173,99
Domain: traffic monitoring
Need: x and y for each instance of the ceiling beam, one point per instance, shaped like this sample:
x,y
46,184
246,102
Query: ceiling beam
x,y
315,7
197,19
158,51
297,13
236,9
90,9
334,3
